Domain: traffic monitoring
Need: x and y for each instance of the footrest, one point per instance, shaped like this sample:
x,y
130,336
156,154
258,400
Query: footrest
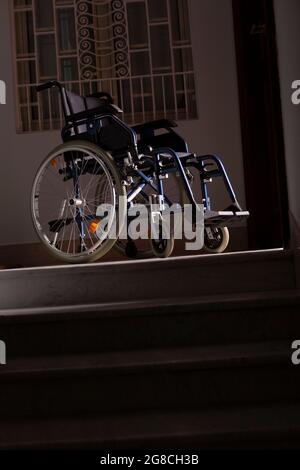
x,y
224,218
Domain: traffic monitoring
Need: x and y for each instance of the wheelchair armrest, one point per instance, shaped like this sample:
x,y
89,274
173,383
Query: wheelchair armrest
x,y
150,127
101,94
91,113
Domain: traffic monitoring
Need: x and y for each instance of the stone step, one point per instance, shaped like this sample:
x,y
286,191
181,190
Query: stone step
x,y
197,378
185,277
261,426
188,351
92,329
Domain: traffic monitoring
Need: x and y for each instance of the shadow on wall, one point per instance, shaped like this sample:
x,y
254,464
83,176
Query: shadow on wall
x,y
287,14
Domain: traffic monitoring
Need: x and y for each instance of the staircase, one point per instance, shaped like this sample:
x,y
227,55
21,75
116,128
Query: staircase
x,y
186,352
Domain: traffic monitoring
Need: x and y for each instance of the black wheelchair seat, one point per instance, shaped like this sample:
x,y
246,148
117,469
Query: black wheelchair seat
x,y
91,118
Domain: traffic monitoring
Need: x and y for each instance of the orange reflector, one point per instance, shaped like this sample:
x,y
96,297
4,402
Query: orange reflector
x,y
53,163
93,226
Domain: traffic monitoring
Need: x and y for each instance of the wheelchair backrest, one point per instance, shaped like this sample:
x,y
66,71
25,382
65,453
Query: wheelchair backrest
x,y
109,133
74,103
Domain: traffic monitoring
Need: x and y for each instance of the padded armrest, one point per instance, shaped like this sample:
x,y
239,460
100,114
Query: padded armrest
x,y
90,113
101,94
154,125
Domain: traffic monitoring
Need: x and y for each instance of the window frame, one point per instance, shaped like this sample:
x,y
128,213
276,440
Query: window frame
x,y
138,107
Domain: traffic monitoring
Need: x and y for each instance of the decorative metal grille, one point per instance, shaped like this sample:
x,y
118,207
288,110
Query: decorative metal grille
x,y
138,50
102,39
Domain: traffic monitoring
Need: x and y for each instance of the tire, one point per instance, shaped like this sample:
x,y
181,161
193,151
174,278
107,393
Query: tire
x,y
220,242
121,246
164,246
144,248
163,249
63,212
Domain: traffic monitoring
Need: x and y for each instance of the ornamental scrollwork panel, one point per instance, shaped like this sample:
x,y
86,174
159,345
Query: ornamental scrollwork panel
x,y
102,39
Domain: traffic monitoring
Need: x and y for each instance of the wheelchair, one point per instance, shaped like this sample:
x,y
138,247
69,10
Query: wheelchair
x,y
103,162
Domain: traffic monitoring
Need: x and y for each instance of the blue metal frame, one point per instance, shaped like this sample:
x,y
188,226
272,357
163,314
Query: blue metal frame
x,y
220,172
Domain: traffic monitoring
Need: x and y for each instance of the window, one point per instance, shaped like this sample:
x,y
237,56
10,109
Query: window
x,y
138,50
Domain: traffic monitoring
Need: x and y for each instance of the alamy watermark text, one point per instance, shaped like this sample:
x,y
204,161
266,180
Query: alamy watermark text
x,y
2,92
2,353
296,92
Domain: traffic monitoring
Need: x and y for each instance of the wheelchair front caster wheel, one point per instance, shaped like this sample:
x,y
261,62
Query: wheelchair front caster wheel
x,y
131,250
162,248
216,239
162,244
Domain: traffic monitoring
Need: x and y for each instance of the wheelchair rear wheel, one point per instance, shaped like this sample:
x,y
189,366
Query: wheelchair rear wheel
x,y
75,221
